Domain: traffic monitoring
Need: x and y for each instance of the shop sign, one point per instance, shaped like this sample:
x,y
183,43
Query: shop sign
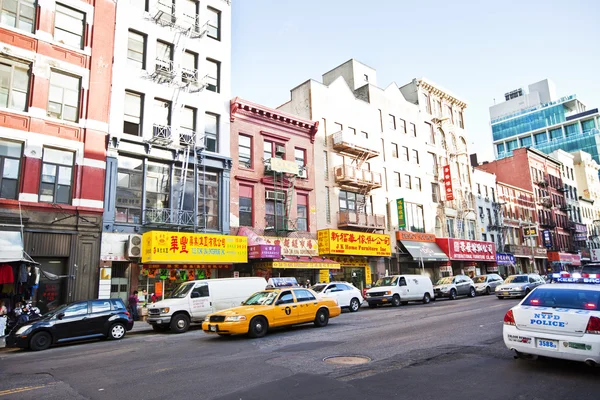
x,y
401,213
547,238
585,254
324,276
280,165
264,251
347,261
565,258
522,251
415,236
192,248
530,231
186,266
468,250
368,280
293,246
354,243
297,265
446,268
595,254
505,258
492,269
580,233
448,183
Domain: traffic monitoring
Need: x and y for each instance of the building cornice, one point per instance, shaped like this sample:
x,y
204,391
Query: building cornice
x,y
437,91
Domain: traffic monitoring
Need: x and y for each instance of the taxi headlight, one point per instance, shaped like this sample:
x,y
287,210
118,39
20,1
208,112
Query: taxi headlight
x,y
235,318
165,310
24,330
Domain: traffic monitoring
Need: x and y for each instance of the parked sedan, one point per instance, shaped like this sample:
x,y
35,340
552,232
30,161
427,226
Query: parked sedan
x,y
519,285
487,284
453,286
347,295
107,318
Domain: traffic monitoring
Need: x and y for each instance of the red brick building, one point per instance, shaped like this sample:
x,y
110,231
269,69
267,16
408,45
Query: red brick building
x,y
272,190
540,174
56,65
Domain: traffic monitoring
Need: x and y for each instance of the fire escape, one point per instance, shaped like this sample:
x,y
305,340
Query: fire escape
x,y
354,178
174,69
284,174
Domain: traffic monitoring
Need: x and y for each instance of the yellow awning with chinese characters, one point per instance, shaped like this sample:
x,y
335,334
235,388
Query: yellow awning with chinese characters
x,y
333,241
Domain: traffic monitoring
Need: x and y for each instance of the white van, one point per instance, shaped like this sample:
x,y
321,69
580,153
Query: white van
x,y
400,289
194,300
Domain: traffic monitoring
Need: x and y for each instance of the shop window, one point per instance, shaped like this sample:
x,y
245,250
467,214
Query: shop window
x,y
302,212
129,190
246,204
245,151
208,200
63,99
132,113
10,169
211,132
19,14
136,50
14,84
69,25
57,176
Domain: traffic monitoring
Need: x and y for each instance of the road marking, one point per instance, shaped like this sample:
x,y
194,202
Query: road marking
x,y
162,370
22,389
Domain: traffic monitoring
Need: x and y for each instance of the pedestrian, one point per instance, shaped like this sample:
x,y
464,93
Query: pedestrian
x,y
3,318
154,298
308,284
133,303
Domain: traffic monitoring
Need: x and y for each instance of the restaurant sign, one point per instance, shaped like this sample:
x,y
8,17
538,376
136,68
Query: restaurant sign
x,y
401,213
264,251
468,250
333,241
298,265
505,259
448,183
161,247
415,236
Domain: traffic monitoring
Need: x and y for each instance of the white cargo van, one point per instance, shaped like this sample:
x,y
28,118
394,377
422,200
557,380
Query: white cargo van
x,y
400,289
194,300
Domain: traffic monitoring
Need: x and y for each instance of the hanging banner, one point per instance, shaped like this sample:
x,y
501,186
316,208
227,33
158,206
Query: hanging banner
x,y
547,238
401,213
448,183
333,241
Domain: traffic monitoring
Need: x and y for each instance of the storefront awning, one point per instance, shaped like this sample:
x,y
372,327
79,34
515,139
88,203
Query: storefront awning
x,y
11,248
300,263
427,251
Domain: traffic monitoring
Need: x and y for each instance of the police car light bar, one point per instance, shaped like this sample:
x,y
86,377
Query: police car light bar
x,y
559,279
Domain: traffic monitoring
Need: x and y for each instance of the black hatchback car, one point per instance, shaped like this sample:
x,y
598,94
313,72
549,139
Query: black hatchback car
x,y
106,318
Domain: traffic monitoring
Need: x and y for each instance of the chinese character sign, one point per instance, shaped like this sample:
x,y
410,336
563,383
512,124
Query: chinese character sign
x,y
401,214
448,183
468,250
193,248
547,238
354,243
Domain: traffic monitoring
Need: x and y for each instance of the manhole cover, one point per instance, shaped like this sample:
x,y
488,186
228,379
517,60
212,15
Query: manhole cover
x,y
347,360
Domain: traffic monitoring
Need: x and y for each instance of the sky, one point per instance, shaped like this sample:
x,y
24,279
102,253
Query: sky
x,y
477,50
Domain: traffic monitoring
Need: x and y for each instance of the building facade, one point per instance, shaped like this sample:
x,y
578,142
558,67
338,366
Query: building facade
x,y
55,107
484,190
538,118
588,183
168,162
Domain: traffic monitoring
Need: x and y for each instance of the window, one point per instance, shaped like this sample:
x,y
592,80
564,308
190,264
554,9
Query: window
x,y
397,179
63,99
449,113
435,192
434,166
412,129
136,48
478,188
394,150
302,212
189,9
429,129
158,191
189,67
415,221
211,132
300,157
285,298
57,174
489,216
418,184
427,103
484,237
187,126
405,153
208,200
351,130
460,120
275,212
339,127
14,84
364,134
10,169
450,227
245,151
402,125
18,14
140,4
471,230
99,306
76,309
415,156
162,119
246,203
485,189
304,295
392,122
407,182
201,290
267,150
214,24
326,165
129,190
164,57
213,75
69,26
327,206
132,113
353,202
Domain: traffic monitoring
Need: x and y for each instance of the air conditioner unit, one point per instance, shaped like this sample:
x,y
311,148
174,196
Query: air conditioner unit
x,y
134,246
277,196
279,149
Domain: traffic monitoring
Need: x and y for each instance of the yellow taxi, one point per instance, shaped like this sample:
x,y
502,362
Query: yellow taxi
x,y
272,308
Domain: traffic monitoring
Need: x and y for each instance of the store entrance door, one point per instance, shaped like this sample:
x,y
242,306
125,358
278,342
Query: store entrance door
x,y
355,276
119,282
52,292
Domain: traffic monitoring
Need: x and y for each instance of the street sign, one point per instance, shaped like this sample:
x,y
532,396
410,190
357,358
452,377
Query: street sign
x,y
530,231
401,213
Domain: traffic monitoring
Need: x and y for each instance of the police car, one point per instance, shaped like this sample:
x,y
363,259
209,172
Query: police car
x,y
559,321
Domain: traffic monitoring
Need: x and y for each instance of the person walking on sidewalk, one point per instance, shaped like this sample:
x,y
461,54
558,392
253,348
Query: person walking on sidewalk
x,y
133,303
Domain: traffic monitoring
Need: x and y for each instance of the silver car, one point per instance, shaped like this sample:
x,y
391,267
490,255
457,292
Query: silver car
x,y
453,286
486,284
519,285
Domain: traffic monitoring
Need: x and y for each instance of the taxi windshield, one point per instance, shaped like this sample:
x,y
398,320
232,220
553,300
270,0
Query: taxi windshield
x,y
479,279
319,288
577,299
387,281
261,299
182,291
445,281
517,279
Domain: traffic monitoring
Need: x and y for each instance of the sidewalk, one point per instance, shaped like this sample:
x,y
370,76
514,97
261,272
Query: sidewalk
x,y
140,327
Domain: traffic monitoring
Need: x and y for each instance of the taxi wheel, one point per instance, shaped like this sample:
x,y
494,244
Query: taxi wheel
x,y
258,327
354,305
322,318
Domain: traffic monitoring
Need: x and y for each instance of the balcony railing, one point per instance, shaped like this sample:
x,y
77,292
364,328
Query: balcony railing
x,y
161,134
349,144
353,219
350,176
167,216
187,137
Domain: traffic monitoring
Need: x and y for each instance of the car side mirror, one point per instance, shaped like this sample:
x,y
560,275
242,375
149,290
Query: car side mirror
x,y
195,295
60,315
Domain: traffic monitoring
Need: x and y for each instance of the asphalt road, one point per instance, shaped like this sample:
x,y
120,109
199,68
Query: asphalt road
x,y
446,350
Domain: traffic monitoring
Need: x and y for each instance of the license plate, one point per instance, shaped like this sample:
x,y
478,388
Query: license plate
x,y
505,293
547,344
384,299
212,328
